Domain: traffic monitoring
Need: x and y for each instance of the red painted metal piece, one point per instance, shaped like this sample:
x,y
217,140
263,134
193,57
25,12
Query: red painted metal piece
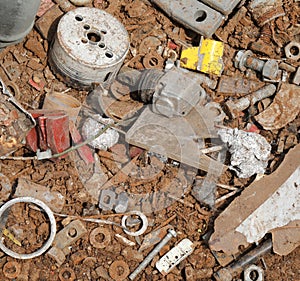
x,y
85,152
52,131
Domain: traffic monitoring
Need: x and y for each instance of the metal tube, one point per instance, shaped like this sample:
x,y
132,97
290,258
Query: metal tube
x,y
16,20
153,253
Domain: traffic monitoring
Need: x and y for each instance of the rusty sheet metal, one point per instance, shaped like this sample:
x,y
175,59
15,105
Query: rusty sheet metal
x,y
192,14
284,109
268,205
264,11
15,122
176,136
54,199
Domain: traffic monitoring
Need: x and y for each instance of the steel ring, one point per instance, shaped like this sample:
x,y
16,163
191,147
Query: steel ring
x,y
50,215
144,223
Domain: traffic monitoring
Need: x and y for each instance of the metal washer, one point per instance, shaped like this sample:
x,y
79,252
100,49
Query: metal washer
x,y
89,47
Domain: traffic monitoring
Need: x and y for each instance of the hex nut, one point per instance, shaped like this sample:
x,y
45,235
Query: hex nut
x,y
253,268
270,69
292,50
119,270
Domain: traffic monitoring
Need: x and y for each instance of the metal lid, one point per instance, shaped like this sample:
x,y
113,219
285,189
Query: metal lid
x,y
93,37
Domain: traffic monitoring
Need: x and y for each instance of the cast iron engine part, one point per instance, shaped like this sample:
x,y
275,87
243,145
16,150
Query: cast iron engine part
x,y
16,20
172,93
89,48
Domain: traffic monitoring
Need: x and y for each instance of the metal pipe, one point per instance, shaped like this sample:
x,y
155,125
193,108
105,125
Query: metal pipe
x,y
16,20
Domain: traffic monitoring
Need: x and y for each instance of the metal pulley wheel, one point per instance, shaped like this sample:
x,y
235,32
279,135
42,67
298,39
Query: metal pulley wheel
x,y
89,47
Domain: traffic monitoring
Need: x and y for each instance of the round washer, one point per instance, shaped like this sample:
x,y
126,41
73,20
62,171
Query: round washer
x,y
106,241
144,223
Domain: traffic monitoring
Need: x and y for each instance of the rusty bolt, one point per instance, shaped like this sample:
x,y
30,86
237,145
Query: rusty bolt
x,y
119,270
11,269
67,274
245,59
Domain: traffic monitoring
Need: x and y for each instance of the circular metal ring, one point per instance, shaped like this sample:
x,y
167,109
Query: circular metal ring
x,y
144,223
11,269
50,215
153,60
106,240
66,271
253,268
114,270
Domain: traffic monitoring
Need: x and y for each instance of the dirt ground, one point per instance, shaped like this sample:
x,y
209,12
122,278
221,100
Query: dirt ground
x,y
191,219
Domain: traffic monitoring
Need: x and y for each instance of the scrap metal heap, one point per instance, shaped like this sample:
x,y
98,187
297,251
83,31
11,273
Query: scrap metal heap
x,y
161,140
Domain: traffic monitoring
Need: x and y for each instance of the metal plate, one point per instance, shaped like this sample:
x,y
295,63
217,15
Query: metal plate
x,y
192,14
223,6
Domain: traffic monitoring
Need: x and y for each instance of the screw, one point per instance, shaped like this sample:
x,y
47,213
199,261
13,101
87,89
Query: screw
x,y
227,273
245,59
171,233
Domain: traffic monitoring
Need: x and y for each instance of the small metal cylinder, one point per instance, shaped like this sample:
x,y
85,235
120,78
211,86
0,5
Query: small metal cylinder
x,y
153,253
16,20
89,47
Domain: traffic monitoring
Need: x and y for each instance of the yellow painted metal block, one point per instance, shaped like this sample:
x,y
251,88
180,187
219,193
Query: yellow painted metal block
x,y
207,58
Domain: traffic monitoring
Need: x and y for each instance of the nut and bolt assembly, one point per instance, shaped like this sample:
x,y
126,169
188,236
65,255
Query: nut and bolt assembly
x,y
245,59
227,273
171,233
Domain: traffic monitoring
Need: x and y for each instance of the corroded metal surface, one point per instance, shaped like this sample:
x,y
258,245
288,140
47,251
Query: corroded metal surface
x,y
283,110
89,47
15,122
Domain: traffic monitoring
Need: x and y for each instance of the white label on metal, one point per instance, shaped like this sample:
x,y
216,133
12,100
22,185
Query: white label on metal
x,y
177,254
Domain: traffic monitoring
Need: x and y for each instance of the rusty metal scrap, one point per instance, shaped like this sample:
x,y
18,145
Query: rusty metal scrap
x,y
119,270
264,11
54,199
238,85
15,122
267,205
284,109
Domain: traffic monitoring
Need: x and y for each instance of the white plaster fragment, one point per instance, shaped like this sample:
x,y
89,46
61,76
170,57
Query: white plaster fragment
x,y
278,210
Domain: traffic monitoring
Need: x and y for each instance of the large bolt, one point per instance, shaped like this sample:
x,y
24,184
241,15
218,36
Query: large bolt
x,y
171,233
245,59
227,273
235,107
